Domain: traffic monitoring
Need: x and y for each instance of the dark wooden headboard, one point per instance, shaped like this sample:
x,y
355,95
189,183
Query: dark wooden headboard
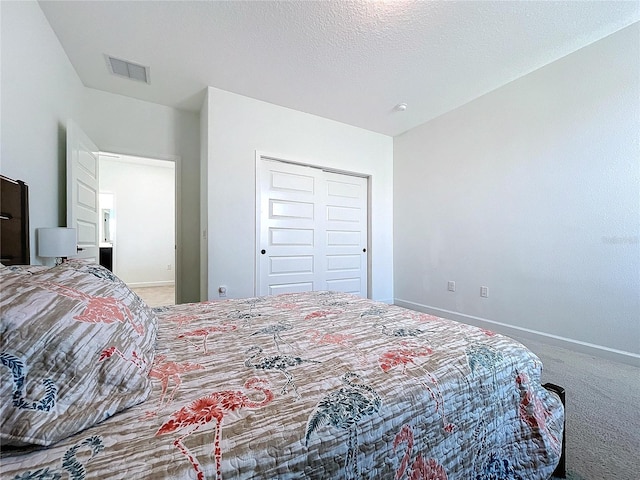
x,y
14,222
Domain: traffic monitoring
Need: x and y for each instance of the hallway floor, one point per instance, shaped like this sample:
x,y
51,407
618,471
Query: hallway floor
x,y
157,296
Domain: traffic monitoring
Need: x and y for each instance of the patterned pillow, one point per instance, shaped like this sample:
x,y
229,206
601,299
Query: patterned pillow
x,y
58,327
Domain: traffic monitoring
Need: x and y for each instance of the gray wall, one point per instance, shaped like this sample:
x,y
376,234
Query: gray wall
x,y
532,190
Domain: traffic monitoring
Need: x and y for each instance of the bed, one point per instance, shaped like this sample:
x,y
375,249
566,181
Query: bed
x,y
317,385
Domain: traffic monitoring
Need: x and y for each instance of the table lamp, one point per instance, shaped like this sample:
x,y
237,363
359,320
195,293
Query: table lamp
x,y
57,242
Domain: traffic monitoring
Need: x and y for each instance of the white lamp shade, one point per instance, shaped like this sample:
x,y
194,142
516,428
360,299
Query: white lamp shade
x,y
57,242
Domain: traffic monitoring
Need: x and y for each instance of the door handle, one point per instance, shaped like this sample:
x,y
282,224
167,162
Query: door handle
x,y
263,251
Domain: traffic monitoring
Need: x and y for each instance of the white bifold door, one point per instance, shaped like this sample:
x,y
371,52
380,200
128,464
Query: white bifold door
x,y
311,228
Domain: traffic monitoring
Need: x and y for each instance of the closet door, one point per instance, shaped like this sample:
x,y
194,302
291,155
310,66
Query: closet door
x,y
289,229
311,230
345,215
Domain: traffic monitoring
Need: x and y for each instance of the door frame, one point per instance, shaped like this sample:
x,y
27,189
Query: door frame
x,y
261,154
177,160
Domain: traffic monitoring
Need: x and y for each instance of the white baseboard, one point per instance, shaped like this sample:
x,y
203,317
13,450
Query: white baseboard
x,y
512,330
166,283
385,300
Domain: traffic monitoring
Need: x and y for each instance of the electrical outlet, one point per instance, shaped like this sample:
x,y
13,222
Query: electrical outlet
x,y
222,291
451,286
484,292
169,267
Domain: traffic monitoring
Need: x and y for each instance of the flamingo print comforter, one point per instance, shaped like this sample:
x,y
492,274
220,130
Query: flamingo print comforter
x,y
318,385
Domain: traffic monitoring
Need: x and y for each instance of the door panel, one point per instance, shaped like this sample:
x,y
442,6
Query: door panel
x,y
344,189
340,238
291,236
343,214
82,191
297,287
343,263
282,181
289,209
345,285
288,265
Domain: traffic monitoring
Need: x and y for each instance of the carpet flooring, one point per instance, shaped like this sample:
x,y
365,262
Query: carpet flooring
x,y
602,414
156,296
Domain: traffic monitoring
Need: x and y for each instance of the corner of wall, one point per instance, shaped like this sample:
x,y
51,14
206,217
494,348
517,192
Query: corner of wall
x,y
203,230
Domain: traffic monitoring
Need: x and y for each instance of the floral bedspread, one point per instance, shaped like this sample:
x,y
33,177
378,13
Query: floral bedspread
x,y
318,385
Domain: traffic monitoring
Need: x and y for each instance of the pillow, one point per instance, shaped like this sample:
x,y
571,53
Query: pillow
x,y
77,346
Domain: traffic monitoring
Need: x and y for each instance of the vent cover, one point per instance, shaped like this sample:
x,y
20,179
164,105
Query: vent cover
x,y
126,69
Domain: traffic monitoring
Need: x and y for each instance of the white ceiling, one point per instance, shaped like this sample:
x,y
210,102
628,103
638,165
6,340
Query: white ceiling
x,y
350,61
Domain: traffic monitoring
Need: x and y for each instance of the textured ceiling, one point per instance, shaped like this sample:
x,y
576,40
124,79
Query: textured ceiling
x,y
347,61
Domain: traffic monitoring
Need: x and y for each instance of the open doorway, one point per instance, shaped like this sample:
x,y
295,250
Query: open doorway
x,y
138,224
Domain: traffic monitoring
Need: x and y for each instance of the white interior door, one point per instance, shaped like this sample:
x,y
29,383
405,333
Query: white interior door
x,y
82,191
311,228
345,214
288,229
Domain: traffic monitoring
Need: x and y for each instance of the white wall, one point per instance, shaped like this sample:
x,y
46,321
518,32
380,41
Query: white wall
x,y
238,126
134,127
39,92
532,190
144,214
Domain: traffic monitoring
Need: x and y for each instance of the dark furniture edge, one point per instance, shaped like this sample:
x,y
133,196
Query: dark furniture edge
x,y
561,469
24,256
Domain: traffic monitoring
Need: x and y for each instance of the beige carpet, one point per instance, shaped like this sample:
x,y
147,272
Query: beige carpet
x,y
157,296
603,416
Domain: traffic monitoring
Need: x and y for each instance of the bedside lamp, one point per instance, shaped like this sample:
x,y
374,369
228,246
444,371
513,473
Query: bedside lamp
x,y
58,243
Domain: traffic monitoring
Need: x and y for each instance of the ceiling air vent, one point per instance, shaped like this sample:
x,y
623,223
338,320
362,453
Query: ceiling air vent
x,y
127,69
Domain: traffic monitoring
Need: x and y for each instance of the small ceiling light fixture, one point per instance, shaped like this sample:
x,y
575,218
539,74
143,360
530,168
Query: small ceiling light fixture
x,y
124,68
401,107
